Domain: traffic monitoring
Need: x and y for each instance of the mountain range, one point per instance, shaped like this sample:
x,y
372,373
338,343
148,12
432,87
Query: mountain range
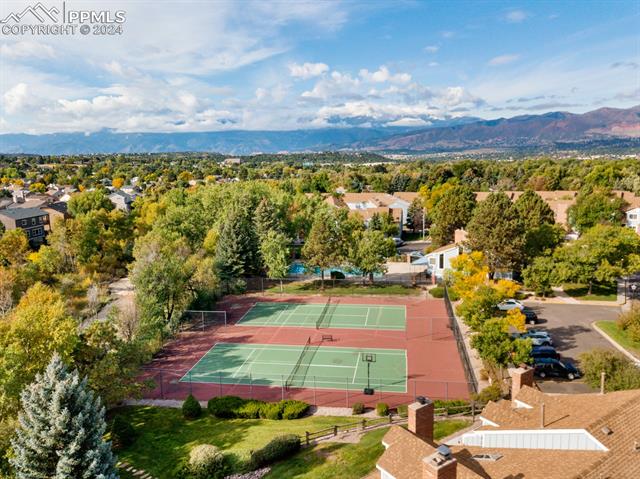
x,y
551,130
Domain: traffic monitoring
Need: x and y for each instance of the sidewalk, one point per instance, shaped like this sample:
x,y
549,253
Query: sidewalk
x,y
560,297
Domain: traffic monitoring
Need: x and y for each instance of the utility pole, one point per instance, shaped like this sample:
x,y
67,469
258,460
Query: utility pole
x,y
423,222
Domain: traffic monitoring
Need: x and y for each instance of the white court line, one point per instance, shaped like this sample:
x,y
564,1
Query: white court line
x,y
248,311
392,352
356,370
235,373
366,319
198,362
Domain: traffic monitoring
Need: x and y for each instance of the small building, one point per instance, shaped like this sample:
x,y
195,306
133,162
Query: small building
x,y
632,218
439,260
34,221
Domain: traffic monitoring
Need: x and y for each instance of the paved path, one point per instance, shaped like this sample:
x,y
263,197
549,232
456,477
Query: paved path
x,y
121,296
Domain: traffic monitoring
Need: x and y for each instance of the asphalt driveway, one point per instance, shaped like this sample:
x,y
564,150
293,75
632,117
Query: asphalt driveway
x,y
572,333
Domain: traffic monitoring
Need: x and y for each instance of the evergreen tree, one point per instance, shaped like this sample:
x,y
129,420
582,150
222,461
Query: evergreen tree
x,y
451,211
237,249
60,429
266,218
533,210
496,230
323,247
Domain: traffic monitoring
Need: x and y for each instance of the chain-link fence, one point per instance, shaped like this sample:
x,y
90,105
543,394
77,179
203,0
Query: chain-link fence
x,y
317,390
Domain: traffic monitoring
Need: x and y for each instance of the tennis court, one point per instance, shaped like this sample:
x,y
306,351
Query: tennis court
x,y
305,366
326,315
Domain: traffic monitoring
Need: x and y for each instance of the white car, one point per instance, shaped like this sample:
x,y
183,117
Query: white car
x,y
398,241
509,304
537,339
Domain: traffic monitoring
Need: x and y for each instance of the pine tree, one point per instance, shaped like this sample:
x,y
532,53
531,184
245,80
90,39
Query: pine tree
x,y
60,429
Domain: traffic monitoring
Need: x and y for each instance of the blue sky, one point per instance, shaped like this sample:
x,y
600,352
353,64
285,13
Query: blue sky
x,y
214,65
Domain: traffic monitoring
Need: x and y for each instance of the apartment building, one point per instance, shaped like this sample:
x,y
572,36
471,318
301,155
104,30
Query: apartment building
x,y
533,435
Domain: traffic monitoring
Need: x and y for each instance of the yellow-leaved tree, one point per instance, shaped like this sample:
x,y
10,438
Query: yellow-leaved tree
x,y
29,335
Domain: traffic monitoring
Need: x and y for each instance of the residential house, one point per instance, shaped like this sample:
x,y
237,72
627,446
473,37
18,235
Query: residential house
x,y
368,204
34,221
57,211
535,435
122,200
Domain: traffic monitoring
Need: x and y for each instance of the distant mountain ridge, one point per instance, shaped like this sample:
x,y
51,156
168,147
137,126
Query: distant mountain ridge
x,y
549,130
520,131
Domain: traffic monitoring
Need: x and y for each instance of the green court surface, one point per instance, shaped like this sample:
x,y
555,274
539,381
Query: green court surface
x,y
307,366
326,315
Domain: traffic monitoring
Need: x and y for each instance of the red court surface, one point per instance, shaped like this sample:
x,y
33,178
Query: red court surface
x,y
433,361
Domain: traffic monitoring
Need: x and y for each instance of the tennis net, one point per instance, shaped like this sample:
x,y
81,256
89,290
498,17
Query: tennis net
x,y
323,314
306,354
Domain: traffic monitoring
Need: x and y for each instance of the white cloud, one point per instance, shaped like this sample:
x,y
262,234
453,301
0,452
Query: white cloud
x,y
431,48
503,59
433,64
27,49
516,16
16,98
383,75
308,70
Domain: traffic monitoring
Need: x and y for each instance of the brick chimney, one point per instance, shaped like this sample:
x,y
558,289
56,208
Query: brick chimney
x,y
522,376
459,236
440,465
421,418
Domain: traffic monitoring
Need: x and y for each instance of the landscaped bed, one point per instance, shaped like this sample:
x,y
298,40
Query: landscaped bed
x,y
620,336
164,439
599,292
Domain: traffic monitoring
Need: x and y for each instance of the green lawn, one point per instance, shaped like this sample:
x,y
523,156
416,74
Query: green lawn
x,y
332,460
165,438
599,292
620,336
344,289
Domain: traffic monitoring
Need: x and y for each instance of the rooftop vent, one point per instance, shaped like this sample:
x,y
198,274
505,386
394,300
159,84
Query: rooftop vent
x,y
444,451
421,399
606,431
487,457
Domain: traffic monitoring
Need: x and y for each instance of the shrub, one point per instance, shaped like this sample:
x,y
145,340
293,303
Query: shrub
x,y
249,409
453,295
437,292
207,462
630,322
337,275
620,372
191,408
357,408
229,407
382,409
403,410
453,406
490,393
122,432
294,409
271,411
225,407
278,448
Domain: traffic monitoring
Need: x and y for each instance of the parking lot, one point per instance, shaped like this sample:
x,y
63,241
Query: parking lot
x,y
572,334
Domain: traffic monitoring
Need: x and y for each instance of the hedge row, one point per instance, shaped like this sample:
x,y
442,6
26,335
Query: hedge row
x,y
231,407
278,448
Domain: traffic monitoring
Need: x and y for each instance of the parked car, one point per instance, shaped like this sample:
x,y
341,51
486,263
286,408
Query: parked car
x,y
544,352
398,241
537,338
530,316
509,304
548,367
538,332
